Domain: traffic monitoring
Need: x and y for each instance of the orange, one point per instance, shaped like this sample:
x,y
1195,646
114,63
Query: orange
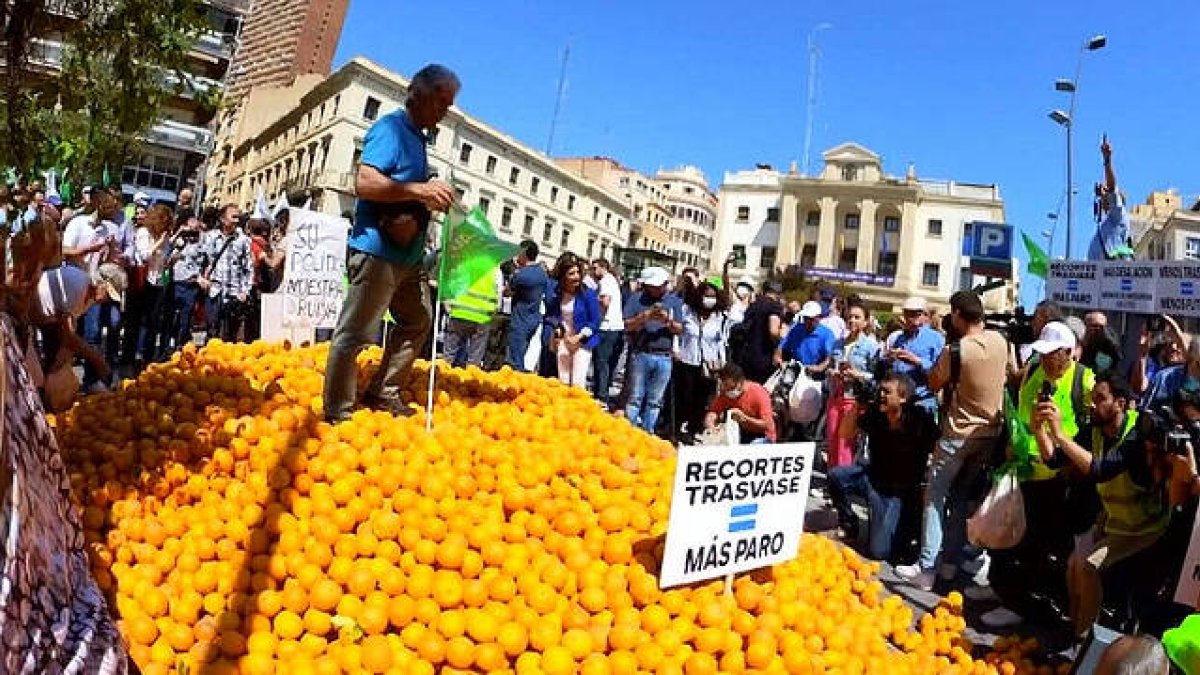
x,y
376,654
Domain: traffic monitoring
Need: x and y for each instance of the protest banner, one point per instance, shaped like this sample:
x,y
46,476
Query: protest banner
x,y
313,285
734,509
1179,289
1187,592
1128,286
1074,283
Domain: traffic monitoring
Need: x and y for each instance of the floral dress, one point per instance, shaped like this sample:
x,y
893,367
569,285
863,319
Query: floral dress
x,y
53,617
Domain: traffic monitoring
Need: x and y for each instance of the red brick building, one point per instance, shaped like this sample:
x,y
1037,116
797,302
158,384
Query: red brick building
x,y
285,38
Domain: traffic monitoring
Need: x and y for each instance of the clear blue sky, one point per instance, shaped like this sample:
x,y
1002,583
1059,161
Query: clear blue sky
x,y
961,89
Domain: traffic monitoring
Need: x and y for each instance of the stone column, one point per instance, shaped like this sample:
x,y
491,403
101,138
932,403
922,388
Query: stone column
x,y
826,257
908,270
868,234
787,249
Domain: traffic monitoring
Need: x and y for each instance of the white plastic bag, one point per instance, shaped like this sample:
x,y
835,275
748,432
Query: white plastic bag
x,y
1000,521
727,432
805,399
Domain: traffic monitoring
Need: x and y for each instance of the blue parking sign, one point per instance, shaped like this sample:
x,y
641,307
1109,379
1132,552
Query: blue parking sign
x,y
991,249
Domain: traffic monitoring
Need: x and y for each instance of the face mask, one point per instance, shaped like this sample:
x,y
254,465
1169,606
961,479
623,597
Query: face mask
x,y
743,293
709,303
1104,363
733,394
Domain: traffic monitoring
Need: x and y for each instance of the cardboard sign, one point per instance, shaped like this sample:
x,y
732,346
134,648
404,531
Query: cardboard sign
x,y
275,327
1074,283
1188,591
313,275
734,509
1128,286
1179,289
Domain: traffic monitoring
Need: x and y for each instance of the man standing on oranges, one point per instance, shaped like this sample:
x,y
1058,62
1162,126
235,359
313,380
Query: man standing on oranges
x,y
384,265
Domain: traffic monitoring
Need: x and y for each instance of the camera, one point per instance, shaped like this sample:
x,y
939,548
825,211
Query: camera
x,y
1165,428
1017,326
866,392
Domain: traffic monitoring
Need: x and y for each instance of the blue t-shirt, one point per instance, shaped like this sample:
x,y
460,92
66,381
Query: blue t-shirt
x,y
1165,383
927,344
528,286
1112,234
654,336
808,347
396,148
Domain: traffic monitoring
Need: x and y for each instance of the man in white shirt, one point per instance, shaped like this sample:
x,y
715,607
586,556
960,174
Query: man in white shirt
x,y
64,294
90,238
612,327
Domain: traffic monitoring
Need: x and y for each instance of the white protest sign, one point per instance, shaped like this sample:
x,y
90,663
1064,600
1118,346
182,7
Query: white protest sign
x,y
274,328
1074,283
1188,591
734,509
1179,288
314,270
1128,286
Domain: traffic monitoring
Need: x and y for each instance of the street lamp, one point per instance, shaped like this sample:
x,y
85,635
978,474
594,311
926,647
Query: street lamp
x,y
1067,121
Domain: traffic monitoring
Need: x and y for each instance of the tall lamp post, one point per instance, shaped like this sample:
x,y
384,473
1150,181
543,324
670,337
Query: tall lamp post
x,y
1067,121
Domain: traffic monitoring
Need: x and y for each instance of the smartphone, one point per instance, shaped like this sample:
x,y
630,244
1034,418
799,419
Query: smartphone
x,y
1155,324
1046,393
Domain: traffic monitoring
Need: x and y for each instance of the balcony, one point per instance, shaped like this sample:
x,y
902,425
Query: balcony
x,y
338,181
216,45
235,6
181,136
191,84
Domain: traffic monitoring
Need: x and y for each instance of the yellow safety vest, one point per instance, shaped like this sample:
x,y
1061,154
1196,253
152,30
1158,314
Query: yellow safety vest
x,y
1129,508
478,303
1027,400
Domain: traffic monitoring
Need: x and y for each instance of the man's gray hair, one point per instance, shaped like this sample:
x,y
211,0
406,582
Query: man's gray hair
x,y
433,77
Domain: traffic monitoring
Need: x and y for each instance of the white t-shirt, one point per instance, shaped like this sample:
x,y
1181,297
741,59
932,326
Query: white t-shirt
x,y
82,232
836,325
613,318
62,292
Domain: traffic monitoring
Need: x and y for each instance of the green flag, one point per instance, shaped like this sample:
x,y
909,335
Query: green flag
x,y
1039,263
470,249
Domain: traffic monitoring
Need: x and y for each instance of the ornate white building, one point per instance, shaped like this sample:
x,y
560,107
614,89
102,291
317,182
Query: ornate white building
x,y
693,208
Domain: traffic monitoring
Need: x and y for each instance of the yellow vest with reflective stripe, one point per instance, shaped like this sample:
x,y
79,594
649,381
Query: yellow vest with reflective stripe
x,y
478,303
1129,508
1027,400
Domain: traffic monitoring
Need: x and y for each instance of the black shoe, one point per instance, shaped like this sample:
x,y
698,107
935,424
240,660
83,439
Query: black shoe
x,y
336,419
394,407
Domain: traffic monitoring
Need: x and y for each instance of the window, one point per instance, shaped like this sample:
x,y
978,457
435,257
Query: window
x,y
570,202
851,221
484,205
591,247
767,258
506,219
490,165
565,241
739,255
534,183
464,155
808,255
935,227
547,232
371,109
891,224
930,273
514,175
849,172
813,219
743,214
624,181
965,279
887,265
773,214
432,136
607,219
967,241
337,100
848,261
553,194
595,213
527,230
1191,248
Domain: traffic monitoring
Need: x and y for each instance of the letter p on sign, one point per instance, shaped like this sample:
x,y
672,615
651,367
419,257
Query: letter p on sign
x,y
993,243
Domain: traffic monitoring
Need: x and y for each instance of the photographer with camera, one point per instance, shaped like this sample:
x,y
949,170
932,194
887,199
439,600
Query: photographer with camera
x,y
913,349
1134,462
1168,379
899,437
970,372
187,262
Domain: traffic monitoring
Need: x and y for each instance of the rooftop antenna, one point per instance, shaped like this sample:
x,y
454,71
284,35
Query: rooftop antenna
x,y
562,86
814,54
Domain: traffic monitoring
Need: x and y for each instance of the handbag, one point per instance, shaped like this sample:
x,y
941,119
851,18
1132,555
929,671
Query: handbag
x,y
999,522
727,432
805,399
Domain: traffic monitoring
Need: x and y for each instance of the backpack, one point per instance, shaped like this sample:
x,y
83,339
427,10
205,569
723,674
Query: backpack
x,y
735,344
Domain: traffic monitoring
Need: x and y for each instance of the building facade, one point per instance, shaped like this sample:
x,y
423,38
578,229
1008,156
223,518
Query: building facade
x,y
651,217
284,39
1163,230
693,208
312,149
883,237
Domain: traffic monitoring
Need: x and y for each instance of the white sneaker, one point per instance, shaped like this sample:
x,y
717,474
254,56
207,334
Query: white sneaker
x,y
981,594
914,575
1001,617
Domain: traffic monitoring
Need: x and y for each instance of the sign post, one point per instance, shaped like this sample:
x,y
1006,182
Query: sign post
x,y
735,509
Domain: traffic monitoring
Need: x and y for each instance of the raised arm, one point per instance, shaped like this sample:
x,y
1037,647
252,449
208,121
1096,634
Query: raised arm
x,y
1110,177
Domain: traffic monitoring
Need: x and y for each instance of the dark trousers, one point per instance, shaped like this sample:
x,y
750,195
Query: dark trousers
x,y
102,330
603,364
227,317
147,325
187,294
889,515
520,334
691,391
1039,561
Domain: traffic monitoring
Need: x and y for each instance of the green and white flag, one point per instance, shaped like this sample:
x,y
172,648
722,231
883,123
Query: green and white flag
x,y
470,250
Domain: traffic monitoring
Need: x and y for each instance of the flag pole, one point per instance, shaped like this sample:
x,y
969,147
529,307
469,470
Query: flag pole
x,y
437,318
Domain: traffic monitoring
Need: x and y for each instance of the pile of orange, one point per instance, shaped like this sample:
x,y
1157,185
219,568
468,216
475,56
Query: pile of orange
x,y
235,531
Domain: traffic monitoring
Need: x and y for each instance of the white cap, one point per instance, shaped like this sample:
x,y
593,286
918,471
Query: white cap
x,y
1055,335
746,280
915,304
654,276
810,310
141,198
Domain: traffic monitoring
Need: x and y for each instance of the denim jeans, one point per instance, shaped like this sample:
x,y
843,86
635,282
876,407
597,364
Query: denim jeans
x,y
955,466
376,286
187,293
603,364
101,330
649,375
884,512
466,342
520,334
